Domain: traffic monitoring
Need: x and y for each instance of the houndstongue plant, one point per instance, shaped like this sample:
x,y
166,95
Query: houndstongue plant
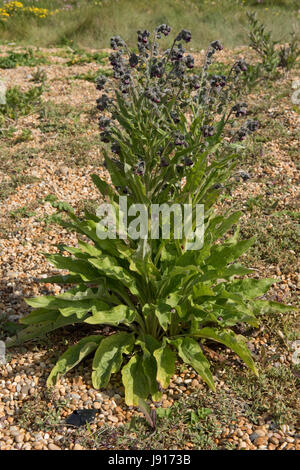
x,y
169,138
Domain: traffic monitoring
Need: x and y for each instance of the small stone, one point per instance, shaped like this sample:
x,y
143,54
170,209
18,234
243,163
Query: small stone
x,y
97,405
283,446
261,441
63,170
19,438
274,440
52,446
38,445
256,434
25,390
75,396
77,447
166,404
113,419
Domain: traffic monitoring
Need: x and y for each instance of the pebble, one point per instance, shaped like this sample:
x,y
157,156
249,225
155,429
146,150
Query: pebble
x,y
113,419
261,441
274,440
52,446
256,434
77,447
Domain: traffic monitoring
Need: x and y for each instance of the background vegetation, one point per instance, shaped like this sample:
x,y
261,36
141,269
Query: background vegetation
x,y
90,23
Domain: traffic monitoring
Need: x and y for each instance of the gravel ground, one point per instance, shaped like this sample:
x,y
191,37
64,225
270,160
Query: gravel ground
x,y
22,239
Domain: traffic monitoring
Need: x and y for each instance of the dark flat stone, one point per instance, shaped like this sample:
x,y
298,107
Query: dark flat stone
x,y
80,417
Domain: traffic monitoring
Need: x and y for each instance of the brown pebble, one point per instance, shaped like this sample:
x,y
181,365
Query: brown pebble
x,y
274,440
113,419
261,441
52,446
77,447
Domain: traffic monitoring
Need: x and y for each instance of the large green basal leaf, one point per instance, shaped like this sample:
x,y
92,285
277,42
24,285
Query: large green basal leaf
x,y
39,315
72,357
108,358
114,316
77,301
191,353
81,308
231,340
62,279
149,344
165,360
40,329
67,307
135,381
81,267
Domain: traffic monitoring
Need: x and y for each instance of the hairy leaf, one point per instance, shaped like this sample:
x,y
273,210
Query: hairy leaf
x,y
191,353
73,356
135,381
108,358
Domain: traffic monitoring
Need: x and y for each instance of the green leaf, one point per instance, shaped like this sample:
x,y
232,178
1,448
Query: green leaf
x,y
104,188
76,301
62,279
109,357
163,412
221,255
135,381
226,225
163,314
149,345
40,329
269,306
231,340
235,269
202,413
81,308
89,249
250,288
72,357
39,315
111,268
114,316
191,353
81,267
165,360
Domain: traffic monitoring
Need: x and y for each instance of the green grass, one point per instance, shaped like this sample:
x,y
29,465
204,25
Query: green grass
x,y
92,76
9,187
80,57
28,58
20,103
92,25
